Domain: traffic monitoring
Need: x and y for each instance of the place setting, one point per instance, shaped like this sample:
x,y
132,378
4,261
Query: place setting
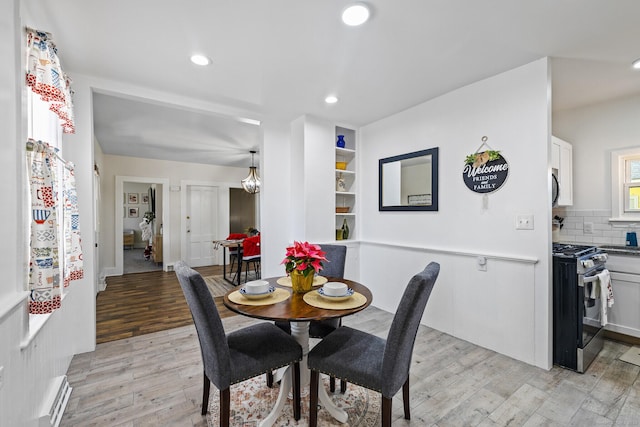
x,y
334,296
258,292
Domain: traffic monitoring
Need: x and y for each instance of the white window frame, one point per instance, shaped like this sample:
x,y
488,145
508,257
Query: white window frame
x,y
44,125
620,209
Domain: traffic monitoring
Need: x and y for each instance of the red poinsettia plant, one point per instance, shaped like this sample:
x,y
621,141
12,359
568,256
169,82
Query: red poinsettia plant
x,y
304,257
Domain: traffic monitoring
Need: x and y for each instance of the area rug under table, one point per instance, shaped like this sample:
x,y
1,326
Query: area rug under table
x,y
252,400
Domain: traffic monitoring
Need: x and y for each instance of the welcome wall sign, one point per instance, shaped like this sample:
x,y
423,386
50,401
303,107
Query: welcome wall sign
x,y
485,171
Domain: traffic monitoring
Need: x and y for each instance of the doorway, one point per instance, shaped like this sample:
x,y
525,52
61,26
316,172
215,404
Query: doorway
x,y
242,211
140,227
206,211
133,200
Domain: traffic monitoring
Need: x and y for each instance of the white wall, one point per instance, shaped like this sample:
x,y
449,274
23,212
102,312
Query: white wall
x,y
32,360
506,308
313,177
276,217
595,131
175,172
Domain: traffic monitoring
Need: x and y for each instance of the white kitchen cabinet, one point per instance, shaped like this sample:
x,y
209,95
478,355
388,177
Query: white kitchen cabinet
x,y
562,165
624,315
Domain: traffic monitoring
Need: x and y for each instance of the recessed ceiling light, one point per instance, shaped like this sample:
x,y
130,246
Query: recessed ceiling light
x,y
356,14
331,99
200,60
636,64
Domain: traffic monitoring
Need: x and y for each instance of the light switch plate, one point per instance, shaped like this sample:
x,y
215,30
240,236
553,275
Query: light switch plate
x,y
1,376
524,222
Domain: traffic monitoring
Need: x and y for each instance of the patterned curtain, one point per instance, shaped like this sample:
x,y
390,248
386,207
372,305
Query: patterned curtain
x,y
73,249
45,245
44,270
45,77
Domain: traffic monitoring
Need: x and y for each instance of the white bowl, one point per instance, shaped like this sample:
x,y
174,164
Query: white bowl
x,y
334,289
256,287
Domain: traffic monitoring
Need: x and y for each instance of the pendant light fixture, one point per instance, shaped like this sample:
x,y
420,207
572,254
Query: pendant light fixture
x,y
251,184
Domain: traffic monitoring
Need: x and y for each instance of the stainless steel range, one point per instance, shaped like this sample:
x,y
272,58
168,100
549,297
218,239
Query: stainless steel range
x,y
577,330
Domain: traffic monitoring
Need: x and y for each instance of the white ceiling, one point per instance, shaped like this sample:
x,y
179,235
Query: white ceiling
x,y
280,58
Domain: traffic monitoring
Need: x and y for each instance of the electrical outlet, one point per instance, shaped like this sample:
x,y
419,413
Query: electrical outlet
x,y
524,222
587,228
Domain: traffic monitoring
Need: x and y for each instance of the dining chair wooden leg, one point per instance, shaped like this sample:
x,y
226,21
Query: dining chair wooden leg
x,y
332,384
343,386
225,407
205,395
296,391
386,411
405,399
313,399
269,376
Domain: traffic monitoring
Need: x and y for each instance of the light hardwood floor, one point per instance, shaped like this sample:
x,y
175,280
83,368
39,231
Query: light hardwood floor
x,y
156,380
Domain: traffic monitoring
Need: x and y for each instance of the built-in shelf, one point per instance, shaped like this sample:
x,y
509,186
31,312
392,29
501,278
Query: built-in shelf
x,y
348,175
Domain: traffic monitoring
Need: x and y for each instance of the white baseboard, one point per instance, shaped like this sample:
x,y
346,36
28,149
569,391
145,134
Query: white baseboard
x,y
633,332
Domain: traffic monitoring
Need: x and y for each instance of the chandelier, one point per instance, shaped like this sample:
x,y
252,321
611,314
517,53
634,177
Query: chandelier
x,y
251,184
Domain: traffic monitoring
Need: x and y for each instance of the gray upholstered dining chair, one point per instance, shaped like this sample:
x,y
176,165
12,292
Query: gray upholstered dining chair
x,y
231,358
370,361
336,256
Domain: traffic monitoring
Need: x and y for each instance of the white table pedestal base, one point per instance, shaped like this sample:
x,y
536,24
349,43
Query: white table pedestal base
x,y
300,331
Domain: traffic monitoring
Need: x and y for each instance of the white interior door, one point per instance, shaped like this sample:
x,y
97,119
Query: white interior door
x,y
202,223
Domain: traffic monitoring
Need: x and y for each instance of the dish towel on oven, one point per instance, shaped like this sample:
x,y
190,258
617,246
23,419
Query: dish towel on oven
x,y
606,294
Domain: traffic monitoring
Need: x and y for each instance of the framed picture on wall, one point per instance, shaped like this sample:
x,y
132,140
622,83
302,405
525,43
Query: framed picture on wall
x,y
145,199
133,212
133,198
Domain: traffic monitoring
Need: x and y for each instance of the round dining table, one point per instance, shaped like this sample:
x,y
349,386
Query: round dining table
x,y
296,310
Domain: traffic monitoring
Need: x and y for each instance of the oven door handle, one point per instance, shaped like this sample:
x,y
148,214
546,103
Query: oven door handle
x,y
592,277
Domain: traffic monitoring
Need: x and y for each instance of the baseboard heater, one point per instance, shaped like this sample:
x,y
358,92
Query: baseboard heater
x,y
55,402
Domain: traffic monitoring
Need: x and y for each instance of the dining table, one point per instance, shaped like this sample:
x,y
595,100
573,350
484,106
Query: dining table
x,y
300,309
235,280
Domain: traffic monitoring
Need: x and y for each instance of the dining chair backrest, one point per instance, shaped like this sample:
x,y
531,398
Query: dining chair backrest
x,y
251,246
213,340
404,327
233,250
336,256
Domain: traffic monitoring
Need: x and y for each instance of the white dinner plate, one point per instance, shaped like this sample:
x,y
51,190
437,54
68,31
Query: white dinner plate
x,y
244,293
337,298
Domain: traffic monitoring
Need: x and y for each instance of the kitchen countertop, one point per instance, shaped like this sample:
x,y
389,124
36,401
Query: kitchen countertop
x,y
621,250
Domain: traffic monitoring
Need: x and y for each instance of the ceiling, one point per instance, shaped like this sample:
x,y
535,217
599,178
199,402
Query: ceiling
x,y
279,59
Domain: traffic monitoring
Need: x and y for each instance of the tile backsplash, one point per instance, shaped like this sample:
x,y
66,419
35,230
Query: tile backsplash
x,y
589,226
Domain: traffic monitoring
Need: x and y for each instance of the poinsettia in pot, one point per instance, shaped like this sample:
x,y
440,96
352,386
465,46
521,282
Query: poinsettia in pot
x,y
303,260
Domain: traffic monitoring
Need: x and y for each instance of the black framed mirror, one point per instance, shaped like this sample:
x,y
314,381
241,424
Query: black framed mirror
x,y
409,182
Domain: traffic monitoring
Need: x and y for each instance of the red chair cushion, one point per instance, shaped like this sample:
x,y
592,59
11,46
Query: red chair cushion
x,y
251,246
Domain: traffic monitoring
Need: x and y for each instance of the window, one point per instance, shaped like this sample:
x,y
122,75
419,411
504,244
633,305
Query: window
x,y
631,184
625,185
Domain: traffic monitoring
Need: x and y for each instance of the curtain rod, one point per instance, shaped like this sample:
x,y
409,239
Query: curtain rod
x,y
31,145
